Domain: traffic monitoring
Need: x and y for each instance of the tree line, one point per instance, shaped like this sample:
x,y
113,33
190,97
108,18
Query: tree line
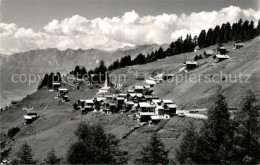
x,y
239,32
97,75
48,80
223,139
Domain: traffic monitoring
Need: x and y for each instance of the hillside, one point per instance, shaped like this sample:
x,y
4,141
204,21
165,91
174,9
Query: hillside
x,y
41,61
58,121
201,91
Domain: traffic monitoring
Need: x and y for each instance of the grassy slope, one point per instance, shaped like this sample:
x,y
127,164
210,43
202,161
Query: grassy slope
x,y
57,122
200,94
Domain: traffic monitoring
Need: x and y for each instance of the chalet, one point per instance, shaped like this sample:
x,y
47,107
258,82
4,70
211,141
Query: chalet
x,y
159,110
81,103
14,102
135,97
151,81
139,89
65,98
122,95
109,97
196,48
222,50
170,109
128,105
63,91
107,111
56,85
146,116
86,109
89,102
146,107
104,90
218,57
30,117
147,87
156,119
157,102
148,98
191,64
120,101
130,91
100,99
238,45
209,52
166,102
112,107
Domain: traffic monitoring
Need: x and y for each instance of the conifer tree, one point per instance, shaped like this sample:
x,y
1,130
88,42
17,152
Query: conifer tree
x,y
186,149
247,147
52,158
154,152
94,146
24,155
202,38
214,143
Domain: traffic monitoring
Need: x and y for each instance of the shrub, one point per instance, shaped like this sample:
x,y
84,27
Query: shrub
x,y
13,131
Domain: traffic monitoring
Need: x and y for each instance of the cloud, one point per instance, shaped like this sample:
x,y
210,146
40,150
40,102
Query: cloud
x,y
112,33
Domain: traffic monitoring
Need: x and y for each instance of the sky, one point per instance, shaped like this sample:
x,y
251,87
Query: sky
x,y
111,24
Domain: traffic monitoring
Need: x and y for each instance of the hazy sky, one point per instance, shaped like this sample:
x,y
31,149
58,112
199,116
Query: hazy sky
x,y
109,24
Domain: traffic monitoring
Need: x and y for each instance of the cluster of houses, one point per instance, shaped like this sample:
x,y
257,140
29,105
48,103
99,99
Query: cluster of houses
x,y
138,101
218,56
62,92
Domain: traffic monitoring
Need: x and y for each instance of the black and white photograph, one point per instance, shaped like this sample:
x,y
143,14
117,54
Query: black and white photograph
x,y
139,82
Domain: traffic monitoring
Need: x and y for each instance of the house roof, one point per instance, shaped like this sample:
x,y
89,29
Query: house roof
x,y
240,44
129,103
222,56
87,106
89,101
147,113
122,94
171,105
147,87
156,100
56,83
101,98
112,104
62,89
109,96
148,96
157,117
138,87
150,81
120,98
146,104
191,63
159,107
27,117
167,101
222,47
130,90
136,94
210,52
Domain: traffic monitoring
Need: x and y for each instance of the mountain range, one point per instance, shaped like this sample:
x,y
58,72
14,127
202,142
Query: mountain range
x,y
42,61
